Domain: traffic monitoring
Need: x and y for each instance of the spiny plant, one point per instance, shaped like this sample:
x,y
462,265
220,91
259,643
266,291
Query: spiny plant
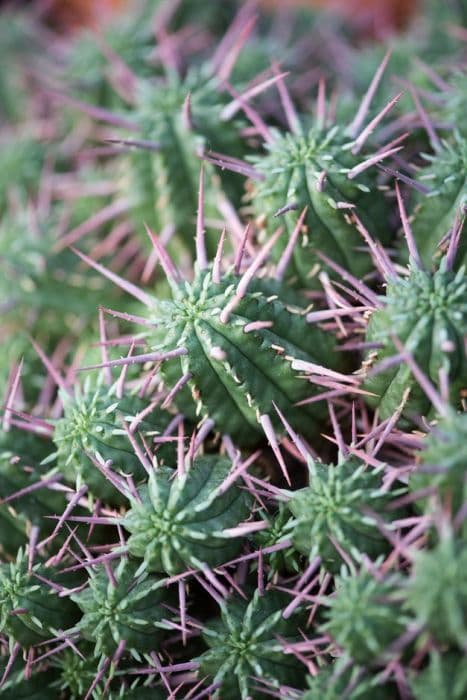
x,y
437,591
22,158
423,315
444,677
442,463
335,681
248,644
365,616
189,518
334,512
122,608
436,212
279,531
30,609
96,425
320,166
238,344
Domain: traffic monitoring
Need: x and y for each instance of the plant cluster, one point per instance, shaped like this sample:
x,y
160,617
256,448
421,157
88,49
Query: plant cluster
x,y
233,312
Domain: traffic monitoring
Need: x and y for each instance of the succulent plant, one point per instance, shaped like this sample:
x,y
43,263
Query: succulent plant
x,y
280,530
443,461
119,605
19,686
93,426
437,592
247,644
240,364
427,313
333,509
183,521
30,609
435,213
76,671
444,677
319,167
364,615
22,160
333,683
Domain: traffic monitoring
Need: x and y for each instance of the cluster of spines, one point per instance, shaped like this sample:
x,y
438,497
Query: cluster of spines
x,y
350,582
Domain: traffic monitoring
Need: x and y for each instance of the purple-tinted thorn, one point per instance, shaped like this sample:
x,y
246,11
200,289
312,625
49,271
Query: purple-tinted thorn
x,y
95,112
128,287
260,572
238,471
256,326
204,430
136,143
296,439
227,64
208,692
406,179
373,160
312,368
169,267
245,528
430,129
337,431
364,107
242,17
366,457
325,315
100,675
107,372
108,213
287,105
268,428
13,384
321,104
32,545
354,281
182,603
73,502
213,580
201,255
409,237
217,264
54,373
138,451
9,665
342,553
454,240
369,129
424,382
379,255
240,100
241,250
132,318
41,484
147,357
176,388
57,558
252,115
210,590
233,164
289,249
120,383
181,450
187,116
391,423
299,591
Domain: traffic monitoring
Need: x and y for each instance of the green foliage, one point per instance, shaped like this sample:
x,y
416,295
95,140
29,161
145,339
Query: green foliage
x,y
334,508
436,213
427,312
443,462
437,593
280,530
247,643
183,521
30,610
334,683
93,426
236,375
364,615
118,606
310,169
445,677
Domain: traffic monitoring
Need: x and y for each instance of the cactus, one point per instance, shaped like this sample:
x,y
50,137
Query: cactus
x,y
92,425
435,214
437,592
240,365
444,677
30,610
427,312
119,606
183,521
333,508
281,527
442,463
248,642
364,616
332,682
